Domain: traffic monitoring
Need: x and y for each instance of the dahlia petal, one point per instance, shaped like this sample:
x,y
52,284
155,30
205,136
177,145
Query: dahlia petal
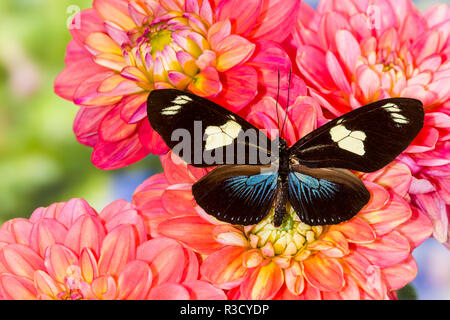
x,y
117,249
379,197
59,261
330,24
218,32
295,282
71,210
326,274
114,11
224,268
312,62
87,122
20,260
337,73
401,274
243,14
240,87
89,22
17,288
192,266
356,230
263,282
339,243
426,140
348,49
169,291
285,12
104,287
45,233
396,177
419,186
180,228
417,229
134,281
113,128
101,43
201,290
436,210
253,258
178,200
86,232
350,291
436,14
151,140
67,82
116,33
165,257
178,79
233,50
388,218
88,265
368,81
87,92
206,12
177,172
46,285
385,251
206,83
228,235
113,155
20,229
133,108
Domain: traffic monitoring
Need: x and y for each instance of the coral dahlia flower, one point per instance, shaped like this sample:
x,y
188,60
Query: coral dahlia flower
x,y
367,257
355,52
68,251
226,50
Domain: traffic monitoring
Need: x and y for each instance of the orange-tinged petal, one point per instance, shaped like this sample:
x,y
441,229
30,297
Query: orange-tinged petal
x,y
233,50
339,244
400,274
385,220
117,249
101,42
192,266
165,257
45,233
134,281
169,291
228,235
356,230
263,282
193,231
104,287
88,265
59,261
386,251
115,11
17,288
86,232
253,258
218,31
20,260
294,279
46,285
202,290
178,199
379,196
113,128
243,14
206,83
396,176
417,229
324,273
224,267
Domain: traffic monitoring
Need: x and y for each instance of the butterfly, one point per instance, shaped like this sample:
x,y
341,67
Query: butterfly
x,y
312,175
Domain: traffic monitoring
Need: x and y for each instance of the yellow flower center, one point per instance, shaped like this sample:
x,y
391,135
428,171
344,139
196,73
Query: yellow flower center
x,y
159,40
290,239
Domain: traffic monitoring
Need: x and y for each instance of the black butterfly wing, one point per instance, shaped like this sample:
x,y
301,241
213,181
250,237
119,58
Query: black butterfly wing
x,y
365,139
325,196
203,133
237,194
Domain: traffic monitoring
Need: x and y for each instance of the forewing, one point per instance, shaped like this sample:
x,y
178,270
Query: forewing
x,y
365,139
325,196
203,133
237,194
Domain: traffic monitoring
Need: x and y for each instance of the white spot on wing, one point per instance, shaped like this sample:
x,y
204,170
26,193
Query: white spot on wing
x,y
172,110
222,135
352,141
182,99
395,114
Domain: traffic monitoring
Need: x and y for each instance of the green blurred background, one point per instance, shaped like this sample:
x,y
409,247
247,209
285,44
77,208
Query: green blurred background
x,y
40,160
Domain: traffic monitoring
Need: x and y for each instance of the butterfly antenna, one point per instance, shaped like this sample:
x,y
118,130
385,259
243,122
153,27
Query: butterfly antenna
x,y
287,103
276,105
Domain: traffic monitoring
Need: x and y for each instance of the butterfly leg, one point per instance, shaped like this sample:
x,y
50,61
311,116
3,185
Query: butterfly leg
x,y
280,201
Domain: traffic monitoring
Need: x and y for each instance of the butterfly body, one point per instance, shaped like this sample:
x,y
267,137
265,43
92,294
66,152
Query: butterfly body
x,y
312,175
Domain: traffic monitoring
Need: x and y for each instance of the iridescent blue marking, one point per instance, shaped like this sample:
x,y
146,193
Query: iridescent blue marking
x,y
307,187
254,188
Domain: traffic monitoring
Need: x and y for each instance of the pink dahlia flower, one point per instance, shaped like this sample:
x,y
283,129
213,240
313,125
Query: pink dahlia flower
x,y
355,52
367,257
226,50
68,251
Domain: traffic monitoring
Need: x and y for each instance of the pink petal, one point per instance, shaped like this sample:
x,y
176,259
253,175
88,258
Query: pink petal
x,y
104,287
113,155
86,232
396,177
180,228
401,274
326,274
263,283
89,22
284,12
151,140
224,267
115,11
379,197
17,288
218,31
192,266
72,210
356,230
178,200
337,73
201,290
368,81
134,281
417,229
59,261
45,233
312,64
117,249
348,49
20,260
240,87
233,50
386,251
87,122
165,257
242,14
169,291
